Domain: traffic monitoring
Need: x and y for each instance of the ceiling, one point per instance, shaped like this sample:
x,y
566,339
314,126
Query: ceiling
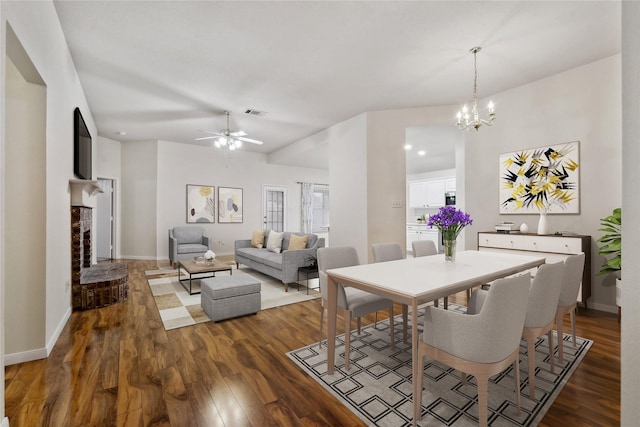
x,y
164,70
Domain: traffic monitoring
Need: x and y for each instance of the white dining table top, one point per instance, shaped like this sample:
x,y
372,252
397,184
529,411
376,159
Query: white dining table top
x,y
426,278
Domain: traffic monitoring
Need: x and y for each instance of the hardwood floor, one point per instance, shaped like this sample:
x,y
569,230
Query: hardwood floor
x,y
117,366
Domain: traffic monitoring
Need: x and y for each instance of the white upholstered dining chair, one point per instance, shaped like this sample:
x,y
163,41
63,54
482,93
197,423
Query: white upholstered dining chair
x,y
423,248
540,314
352,302
571,280
482,344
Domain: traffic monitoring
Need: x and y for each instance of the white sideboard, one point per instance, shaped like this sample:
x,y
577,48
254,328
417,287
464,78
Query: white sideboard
x,y
554,247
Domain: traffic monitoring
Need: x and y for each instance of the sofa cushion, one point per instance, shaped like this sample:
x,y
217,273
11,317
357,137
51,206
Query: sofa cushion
x,y
274,244
191,248
297,242
186,235
257,240
262,256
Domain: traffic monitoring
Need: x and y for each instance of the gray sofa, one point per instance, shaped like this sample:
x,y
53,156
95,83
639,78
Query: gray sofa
x,y
186,243
283,266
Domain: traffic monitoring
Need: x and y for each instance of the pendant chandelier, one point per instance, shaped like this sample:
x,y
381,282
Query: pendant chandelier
x,y
470,119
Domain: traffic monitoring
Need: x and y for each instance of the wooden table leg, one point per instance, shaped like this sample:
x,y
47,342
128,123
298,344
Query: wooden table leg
x,y
405,319
332,312
415,363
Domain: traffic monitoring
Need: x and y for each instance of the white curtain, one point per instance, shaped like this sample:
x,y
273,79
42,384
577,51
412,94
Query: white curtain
x,y
307,207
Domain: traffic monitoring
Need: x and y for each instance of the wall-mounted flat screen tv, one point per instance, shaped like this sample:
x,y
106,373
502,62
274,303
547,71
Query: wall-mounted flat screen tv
x,y
81,147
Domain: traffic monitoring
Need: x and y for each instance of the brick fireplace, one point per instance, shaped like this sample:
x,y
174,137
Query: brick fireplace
x,y
97,285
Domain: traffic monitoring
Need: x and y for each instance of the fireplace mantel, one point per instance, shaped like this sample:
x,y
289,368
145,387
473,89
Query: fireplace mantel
x,y
83,192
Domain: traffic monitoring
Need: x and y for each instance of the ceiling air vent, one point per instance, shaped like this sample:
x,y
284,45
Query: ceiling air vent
x,y
253,112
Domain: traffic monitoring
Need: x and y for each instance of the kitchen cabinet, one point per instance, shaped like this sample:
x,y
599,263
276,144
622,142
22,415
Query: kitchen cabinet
x,y
449,185
417,194
435,193
421,232
427,194
553,248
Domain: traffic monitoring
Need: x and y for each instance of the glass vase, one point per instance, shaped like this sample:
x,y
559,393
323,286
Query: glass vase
x,y
449,250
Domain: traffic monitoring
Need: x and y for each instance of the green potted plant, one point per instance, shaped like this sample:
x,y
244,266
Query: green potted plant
x,y
612,248
611,243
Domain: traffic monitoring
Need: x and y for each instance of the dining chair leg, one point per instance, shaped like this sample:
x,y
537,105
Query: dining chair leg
x,y
483,391
516,364
392,328
446,303
375,321
551,358
359,323
321,322
531,359
560,332
573,325
435,303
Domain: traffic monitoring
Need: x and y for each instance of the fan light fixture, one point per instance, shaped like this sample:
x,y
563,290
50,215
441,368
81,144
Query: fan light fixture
x,y
226,140
470,119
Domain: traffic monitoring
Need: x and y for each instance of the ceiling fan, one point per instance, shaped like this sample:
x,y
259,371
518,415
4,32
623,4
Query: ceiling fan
x,y
226,138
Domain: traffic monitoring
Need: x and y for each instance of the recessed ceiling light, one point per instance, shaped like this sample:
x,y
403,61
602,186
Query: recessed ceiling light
x,y
407,146
421,153
121,133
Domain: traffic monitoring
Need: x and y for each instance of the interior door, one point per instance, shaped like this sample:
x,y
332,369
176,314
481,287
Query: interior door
x,y
274,207
105,246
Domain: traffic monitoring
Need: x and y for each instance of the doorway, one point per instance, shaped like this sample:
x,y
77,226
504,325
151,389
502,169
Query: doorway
x,y
105,227
274,209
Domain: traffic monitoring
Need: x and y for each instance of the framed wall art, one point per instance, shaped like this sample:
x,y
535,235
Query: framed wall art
x,y
229,205
541,180
200,204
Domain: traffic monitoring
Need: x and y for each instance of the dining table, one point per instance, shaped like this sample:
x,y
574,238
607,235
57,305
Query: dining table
x,y
414,281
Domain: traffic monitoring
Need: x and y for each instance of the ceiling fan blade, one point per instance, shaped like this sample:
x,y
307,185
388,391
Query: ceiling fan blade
x,y
211,132
238,133
252,141
205,137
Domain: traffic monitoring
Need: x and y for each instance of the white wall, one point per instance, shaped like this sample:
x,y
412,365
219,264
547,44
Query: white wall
x,y
348,172
25,171
138,193
109,165
630,360
46,48
583,104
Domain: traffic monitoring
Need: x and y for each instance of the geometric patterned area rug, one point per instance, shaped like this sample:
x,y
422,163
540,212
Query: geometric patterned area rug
x,y
378,386
178,309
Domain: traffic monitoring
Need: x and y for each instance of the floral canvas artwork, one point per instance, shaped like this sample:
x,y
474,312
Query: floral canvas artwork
x,y
541,180
229,205
200,204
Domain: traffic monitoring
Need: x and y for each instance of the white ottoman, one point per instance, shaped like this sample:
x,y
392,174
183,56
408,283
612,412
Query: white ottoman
x,y
230,296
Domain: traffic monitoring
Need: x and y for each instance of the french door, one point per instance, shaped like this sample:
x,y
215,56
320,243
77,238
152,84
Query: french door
x,y
274,207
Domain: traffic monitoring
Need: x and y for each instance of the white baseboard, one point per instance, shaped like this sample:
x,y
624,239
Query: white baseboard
x,y
5,422
143,258
38,353
58,331
25,356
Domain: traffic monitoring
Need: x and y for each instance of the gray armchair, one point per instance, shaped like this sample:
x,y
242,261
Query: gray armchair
x,y
187,242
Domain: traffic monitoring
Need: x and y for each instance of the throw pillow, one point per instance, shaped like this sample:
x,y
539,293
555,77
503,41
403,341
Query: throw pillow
x,y
297,242
274,243
257,240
